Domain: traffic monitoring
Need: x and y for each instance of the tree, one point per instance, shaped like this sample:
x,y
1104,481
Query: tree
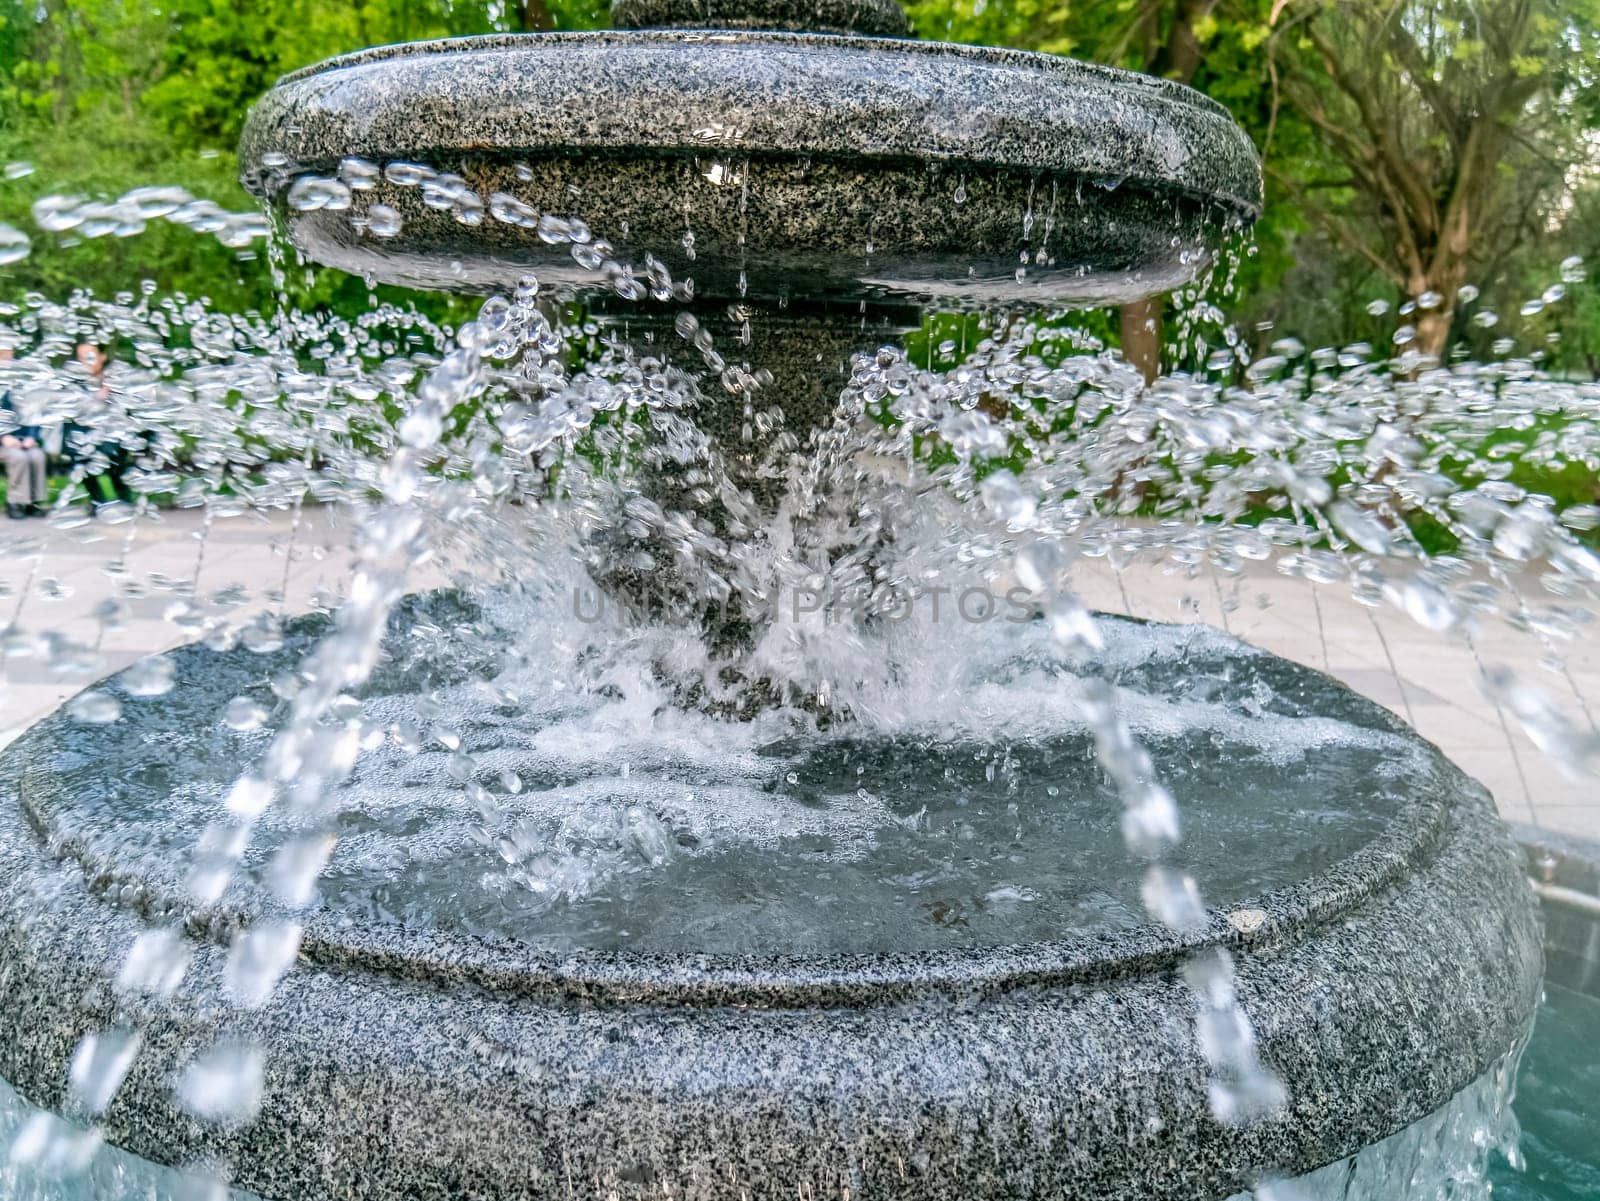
x,y
1451,126
103,96
1175,54
1209,44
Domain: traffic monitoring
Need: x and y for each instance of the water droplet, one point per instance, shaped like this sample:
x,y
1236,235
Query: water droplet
x,y
224,1085
258,959
55,1146
14,245
295,868
311,193
155,966
1173,899
1360,527
408,175
149,677
99,1065
243,713
249,796
384,221
94,707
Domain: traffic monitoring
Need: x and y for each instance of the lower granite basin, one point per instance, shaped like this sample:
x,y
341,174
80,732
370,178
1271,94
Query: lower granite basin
x,y
415,1059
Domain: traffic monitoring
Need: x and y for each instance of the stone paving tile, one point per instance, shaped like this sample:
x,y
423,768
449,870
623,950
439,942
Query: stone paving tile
x,y
1383,686
1387,657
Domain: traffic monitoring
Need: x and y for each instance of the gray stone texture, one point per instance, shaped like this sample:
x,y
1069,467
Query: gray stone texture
x,y
854,178
424,1064
873,18
820,167
418,1064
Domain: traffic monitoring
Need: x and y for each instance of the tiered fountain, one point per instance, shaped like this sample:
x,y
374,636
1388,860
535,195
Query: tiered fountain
x,y
968,1004
819,191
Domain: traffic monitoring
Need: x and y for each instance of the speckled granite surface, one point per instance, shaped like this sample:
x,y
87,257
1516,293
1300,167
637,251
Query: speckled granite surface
x,y
412,1065
405,1064
874,18
819,166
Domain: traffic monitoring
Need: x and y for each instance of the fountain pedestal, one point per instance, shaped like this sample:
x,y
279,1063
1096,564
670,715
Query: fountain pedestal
x,y
855,179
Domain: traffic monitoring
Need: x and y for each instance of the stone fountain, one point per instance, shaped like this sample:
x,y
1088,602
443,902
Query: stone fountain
x,y
820,189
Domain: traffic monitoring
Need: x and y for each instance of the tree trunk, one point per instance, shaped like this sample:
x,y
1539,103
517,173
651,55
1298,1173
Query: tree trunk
x,y
1433,332
1178,57
536,17
1181,56
1141,336
1444,280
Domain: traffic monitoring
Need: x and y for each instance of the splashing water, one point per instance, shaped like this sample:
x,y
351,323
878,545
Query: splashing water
x,y
575,723
1446,1154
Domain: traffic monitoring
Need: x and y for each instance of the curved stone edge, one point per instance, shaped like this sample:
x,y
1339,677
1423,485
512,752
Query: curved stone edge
x,y
803,232
1412,836
395,1088
857,99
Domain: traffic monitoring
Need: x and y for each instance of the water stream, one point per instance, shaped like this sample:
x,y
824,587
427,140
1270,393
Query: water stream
x,y
918,737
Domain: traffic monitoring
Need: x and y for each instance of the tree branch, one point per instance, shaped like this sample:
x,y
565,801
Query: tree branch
x,y
1417,204
1337,229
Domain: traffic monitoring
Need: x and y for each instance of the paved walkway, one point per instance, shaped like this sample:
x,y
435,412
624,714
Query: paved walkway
x,y
52,580
1432,680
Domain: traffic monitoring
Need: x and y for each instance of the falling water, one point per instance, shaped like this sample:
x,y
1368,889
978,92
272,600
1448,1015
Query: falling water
x,y
564,746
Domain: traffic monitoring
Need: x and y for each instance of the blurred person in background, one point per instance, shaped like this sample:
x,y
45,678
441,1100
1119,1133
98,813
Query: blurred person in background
x,y
105,486
22,456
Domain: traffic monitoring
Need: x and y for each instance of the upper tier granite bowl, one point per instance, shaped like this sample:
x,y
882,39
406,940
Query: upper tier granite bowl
x,y
409,1057
806,166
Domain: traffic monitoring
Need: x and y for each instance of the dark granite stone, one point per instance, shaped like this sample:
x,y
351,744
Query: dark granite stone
x,y
815,172
852,178
417,1064
805,352
815,167
873,18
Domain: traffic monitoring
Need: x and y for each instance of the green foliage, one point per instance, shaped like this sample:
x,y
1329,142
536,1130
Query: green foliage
x,y
106,95
1307,275
103,96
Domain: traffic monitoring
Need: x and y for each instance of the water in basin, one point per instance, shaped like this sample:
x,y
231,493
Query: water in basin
x,y
965,811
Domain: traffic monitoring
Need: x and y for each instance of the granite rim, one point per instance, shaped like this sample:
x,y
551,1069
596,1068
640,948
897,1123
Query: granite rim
x,y
1380,988
783,93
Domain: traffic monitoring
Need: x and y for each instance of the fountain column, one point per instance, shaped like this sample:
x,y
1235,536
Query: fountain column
x,y
772,379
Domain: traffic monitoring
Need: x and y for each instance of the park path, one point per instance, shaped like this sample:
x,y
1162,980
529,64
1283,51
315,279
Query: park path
x,y
51,580
1431,680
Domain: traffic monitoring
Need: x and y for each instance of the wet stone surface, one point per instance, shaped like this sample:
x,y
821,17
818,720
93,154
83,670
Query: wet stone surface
x,y
818,167
740,1068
